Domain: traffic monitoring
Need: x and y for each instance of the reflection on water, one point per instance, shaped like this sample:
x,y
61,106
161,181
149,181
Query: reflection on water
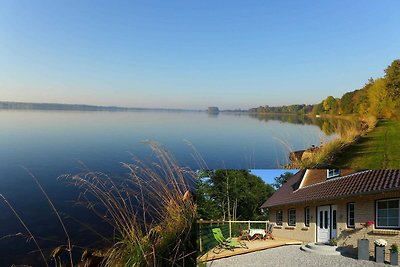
x,y
328,126
52,143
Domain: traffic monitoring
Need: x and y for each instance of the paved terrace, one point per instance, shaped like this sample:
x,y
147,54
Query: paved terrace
x,y
254,245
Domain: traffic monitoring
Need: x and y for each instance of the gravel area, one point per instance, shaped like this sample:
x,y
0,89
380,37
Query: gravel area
x,y
289,256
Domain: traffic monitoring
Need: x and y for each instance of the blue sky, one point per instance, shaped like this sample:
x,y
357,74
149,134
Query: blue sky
x,y
193,54
268,175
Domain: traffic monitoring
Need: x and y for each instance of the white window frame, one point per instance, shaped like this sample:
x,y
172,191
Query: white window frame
x,y
348,214
288,221
335,173
376,214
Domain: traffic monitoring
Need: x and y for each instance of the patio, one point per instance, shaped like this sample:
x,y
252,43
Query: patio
x,y
254,245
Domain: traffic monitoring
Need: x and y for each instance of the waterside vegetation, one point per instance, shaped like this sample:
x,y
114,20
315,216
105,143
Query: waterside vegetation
x,y
324,155
377,103
152,214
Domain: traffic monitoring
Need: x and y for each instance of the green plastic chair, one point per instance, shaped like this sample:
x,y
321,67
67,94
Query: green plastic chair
x,y
225,243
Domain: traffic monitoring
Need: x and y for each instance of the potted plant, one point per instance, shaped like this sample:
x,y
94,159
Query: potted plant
x,y
333,242
380,245
394,254
363,244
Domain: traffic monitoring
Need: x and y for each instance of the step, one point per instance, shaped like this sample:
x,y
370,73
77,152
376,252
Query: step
x,y
321,246
321,249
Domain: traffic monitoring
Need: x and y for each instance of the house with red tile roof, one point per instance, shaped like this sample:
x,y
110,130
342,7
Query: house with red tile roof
x,y
319,205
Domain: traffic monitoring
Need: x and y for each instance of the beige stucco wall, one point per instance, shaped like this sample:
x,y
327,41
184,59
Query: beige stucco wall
x,y
300,231
364,211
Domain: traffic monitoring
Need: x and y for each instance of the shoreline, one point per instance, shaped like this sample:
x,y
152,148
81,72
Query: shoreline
x,y
327,153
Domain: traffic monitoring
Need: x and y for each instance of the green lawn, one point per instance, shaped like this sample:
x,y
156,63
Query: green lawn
x,y
379,149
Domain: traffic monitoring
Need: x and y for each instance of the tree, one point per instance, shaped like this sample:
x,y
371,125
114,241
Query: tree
x,y
392,76
377,95
347,103
232,194
330,105
317,109
282,179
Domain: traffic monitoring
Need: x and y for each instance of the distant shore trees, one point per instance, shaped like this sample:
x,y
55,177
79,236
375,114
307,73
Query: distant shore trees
x,y
378,97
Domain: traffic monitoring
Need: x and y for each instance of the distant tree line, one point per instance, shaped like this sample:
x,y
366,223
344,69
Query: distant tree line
x,y
55,106
292,109
378,97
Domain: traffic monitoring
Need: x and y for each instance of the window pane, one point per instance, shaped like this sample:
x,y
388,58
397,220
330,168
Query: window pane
x,y
382,205
279,217
334,219
292,217
393,221
393,204
382,213
350,214
307,216
351,206
382,222
326,219
393,212
320,219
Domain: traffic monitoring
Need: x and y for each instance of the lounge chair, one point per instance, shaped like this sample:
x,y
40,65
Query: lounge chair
x,y
268,232
225,243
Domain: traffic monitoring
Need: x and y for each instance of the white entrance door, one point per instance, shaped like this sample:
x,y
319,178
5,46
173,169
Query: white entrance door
x,y
323,227
334,222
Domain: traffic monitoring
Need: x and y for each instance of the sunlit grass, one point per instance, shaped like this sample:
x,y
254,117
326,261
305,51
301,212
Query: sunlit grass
x,y
325,154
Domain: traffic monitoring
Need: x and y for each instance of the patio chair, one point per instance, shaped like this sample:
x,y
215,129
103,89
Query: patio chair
x,y
244,234
268,232
225,243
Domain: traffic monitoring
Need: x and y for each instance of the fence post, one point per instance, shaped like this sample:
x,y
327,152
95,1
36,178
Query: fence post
x,y
249,225
266,225
200,241
230,229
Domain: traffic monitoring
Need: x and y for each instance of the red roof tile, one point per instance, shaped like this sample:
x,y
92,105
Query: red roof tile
x,y
365,182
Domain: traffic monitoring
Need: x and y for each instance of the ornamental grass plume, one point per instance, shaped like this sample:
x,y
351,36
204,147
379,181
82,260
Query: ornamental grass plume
x,y
152,213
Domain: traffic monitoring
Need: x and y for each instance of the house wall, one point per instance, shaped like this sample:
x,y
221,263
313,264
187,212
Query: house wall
x,y
347,237
300,231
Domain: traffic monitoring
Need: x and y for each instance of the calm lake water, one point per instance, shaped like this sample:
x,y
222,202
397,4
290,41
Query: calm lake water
x,y
51,143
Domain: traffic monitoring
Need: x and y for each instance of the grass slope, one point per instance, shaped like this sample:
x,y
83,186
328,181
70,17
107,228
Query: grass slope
x,y
379,149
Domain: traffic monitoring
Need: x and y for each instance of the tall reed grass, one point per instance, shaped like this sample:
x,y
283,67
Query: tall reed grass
x,y
153,212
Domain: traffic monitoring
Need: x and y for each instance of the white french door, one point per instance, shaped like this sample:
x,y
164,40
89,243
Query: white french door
x,y
323,224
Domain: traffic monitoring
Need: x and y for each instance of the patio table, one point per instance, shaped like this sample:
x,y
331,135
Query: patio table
x,y
254,232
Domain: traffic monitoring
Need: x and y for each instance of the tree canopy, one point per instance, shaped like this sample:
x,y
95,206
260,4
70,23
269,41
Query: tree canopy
x,y
282,179
231,194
